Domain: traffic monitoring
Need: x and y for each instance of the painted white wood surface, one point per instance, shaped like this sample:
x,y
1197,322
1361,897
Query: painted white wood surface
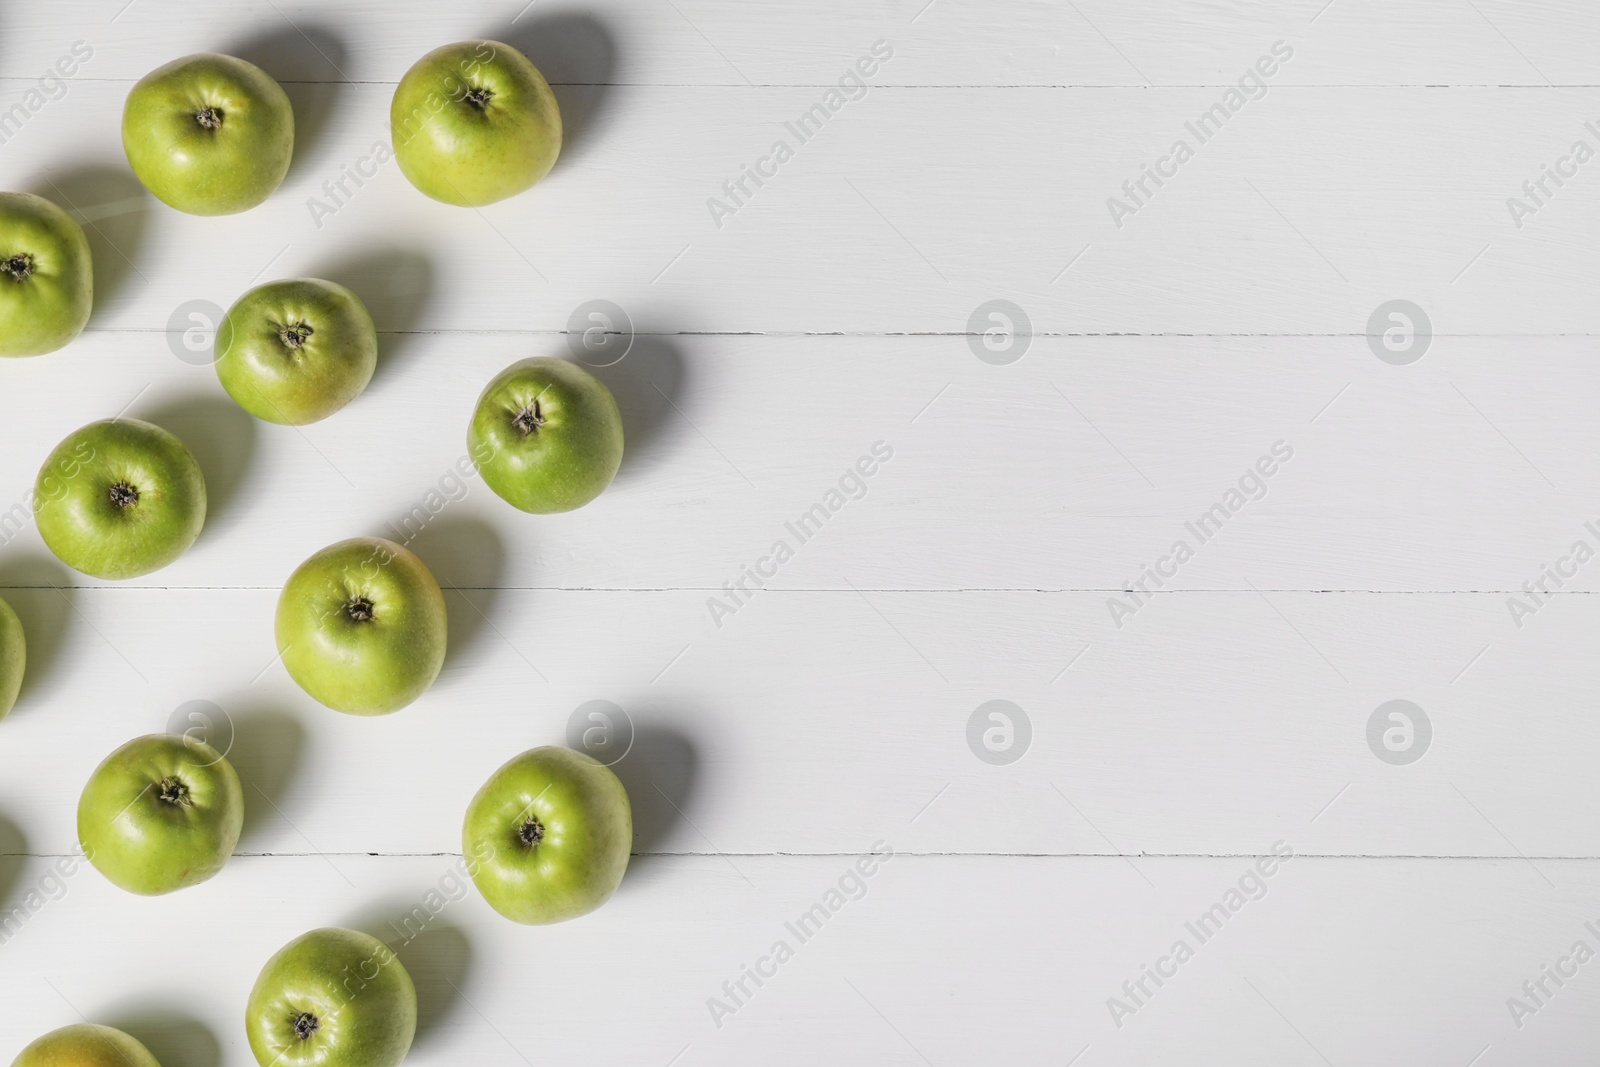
x,y
1010,961
831,312
1072,469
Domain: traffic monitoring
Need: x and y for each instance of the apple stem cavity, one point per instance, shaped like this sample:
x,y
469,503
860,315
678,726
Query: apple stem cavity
x,y
123,496
359,609
530,833
173,791
305,1024
19,267
528,419
209,117
479,98
294,335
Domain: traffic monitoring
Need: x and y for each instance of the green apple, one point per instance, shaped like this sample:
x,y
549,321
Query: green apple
x,y
295,352
546,436
46,276
85,1045
547,837
13,657
332,998
119,498
474,123
361,626
161,813
209,134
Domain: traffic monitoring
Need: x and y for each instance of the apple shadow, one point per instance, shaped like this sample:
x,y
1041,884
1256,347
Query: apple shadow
x,y
114,209
659,773
38,588
394,283
435,952
307,60
646,383
467,555
222,436
266,750
577,55
13,857
437,959
173,1038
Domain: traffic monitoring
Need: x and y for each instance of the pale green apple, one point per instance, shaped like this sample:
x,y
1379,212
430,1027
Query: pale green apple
x,y
161,813
13,657
46,276
362,626
209,134
86,1045
332,998
546,435
119,498
295,352
547,837
474,122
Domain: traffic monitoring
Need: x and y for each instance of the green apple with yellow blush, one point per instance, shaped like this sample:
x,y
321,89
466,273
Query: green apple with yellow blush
x,y
13,657
161,813
473,123
119,498
362,627
209,134
46,276
546,436
294,352
86,1045
332,998
548,837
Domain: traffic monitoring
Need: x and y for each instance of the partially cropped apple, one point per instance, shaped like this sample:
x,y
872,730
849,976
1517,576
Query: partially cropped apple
x,y
546,435
119,498
46,276
295,352
86,1045
362,627
332,998
474,123
209,134
547,837
13,658
161,813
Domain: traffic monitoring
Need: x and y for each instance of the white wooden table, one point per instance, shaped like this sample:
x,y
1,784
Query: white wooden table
x,y
1172,343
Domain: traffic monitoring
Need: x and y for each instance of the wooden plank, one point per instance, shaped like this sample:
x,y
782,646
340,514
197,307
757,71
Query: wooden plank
x,y
1307,211
1206,724
1075,468
941,960
731,44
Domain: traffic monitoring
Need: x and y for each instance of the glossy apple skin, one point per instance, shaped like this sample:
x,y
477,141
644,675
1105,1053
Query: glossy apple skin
x,y
564,461
13,658
209,171
76,493
586,822
369,666
160,814
473,123
294,352
86,1045
359,993
45,301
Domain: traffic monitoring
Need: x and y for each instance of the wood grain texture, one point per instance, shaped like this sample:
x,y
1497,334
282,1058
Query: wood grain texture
x,y
732,44
1209,724
1072,469
1306,211
1415,540
941,960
